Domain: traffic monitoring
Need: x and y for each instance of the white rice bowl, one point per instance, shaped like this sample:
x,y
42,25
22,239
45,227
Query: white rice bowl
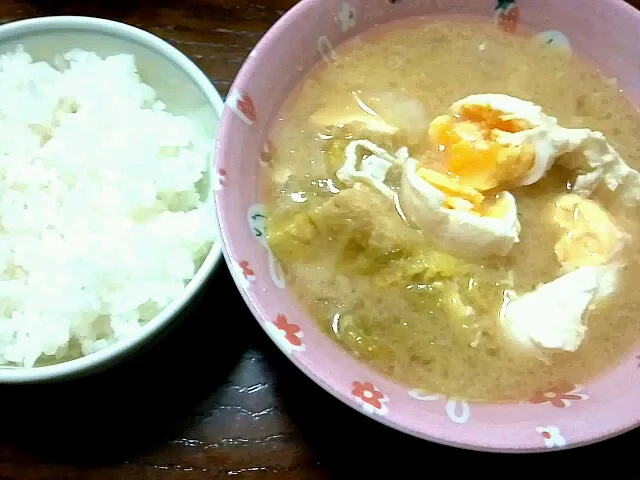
x,y
101,222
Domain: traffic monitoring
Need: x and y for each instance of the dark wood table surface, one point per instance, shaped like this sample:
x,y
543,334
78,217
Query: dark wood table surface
x,y
214,398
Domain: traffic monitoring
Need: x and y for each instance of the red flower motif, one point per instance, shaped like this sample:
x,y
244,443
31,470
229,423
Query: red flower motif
x,y
561,395
219,178
291,330
369,394
507,15
246,270
246,107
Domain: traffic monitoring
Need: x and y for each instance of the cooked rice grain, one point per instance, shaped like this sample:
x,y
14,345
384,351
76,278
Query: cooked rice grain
x,y
101,224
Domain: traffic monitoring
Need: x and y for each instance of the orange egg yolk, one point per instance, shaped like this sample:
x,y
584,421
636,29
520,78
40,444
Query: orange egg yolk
x,y
472,153
463,197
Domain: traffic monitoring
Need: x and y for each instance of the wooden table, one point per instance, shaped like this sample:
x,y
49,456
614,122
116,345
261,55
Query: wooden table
x,y
215,399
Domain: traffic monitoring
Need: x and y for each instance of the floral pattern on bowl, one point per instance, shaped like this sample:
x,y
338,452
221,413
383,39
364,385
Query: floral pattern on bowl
x,y
272,70
561,395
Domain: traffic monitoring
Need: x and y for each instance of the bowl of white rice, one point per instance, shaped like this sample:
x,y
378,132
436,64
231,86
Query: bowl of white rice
x,y
107,227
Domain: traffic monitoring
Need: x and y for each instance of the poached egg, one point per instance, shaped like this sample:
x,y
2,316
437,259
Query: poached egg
x,y
464,206
512,142
458,218
472,138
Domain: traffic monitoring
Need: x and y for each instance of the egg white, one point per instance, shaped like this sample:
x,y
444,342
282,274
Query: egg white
x,y
551,317
373,168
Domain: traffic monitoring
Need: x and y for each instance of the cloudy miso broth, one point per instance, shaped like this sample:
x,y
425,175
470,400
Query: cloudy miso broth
x,y
377,282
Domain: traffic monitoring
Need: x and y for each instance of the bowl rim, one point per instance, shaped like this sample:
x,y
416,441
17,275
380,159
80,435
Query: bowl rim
x,y
109,355
305,8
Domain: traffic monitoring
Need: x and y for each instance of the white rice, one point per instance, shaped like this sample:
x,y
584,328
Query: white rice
x,y
101,225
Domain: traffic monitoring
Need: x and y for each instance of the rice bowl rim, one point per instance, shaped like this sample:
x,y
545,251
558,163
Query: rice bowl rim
x,y
94,361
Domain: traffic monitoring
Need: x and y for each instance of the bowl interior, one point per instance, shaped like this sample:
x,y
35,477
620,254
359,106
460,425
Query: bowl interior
x,y
563,416
179,84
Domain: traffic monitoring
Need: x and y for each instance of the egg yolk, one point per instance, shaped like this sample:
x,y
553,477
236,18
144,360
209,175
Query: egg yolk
x,y
468,140
462,197
590,236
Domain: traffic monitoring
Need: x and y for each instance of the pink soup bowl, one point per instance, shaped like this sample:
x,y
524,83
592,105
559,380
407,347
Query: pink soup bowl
x,y
570,415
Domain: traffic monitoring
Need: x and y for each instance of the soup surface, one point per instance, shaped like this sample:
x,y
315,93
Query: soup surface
x,y
372,280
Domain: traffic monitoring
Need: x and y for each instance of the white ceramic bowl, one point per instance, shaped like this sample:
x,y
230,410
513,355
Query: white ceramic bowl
x,y
181,85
